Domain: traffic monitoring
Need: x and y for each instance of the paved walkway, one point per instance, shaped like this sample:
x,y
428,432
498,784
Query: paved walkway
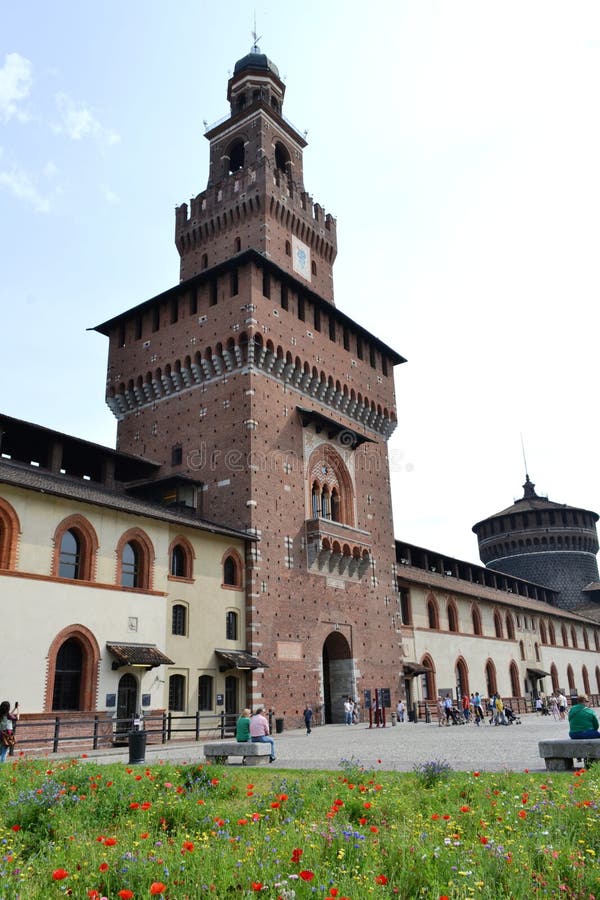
x,y
465,747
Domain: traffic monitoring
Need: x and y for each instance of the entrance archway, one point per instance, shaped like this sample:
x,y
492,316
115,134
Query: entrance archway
x,y
338,677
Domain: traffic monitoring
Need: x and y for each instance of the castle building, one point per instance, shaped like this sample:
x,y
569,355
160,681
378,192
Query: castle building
x,y
238,546
247,379
550,543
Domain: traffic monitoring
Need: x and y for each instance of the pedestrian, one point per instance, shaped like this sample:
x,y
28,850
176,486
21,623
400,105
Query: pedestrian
x,y
348,711
553,701
499,717
562,705
400,710
7,727
477,710
259,731
583,723
308,714
448,708
242,728
466,707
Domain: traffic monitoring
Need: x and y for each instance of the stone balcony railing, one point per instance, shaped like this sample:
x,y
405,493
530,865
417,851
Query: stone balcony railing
x,y
338,550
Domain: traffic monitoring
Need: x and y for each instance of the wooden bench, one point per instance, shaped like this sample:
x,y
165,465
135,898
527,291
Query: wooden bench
x,y
253,754
559,755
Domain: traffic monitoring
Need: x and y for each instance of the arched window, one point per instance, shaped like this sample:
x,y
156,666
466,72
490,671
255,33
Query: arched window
x,y
135,557
554,677
452,617
428,691
282,157
552,634
461,674
232,570
405,606
574,637
597,640
432,614
522,649
9,533
330,481
177,693
179,619
490,678
75,549
316,501
231,625
498,625
236,156
130,566
476,617
537,651
325,504
510,627
586,640
543,636
565,640
70,554
181,555
514,679
205,692
67,676
570,678
586,680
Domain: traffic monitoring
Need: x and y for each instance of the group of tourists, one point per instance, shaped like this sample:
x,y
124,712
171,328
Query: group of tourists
x,y
255,728
555,705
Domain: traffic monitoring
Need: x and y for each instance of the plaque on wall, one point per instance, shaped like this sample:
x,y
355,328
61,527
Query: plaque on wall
x,y
146,699
111,700
220,700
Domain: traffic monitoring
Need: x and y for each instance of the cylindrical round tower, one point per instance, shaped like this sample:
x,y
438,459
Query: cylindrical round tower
x,y
549,543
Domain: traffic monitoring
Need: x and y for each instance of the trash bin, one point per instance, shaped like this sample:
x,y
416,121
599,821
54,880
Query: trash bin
x,y
278,725
137,747
393,718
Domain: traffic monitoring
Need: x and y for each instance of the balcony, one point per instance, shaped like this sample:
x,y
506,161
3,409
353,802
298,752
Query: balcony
x,y
337,550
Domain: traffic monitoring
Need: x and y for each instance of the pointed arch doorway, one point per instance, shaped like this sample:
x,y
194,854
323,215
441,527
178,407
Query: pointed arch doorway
x,y
338,677
127,694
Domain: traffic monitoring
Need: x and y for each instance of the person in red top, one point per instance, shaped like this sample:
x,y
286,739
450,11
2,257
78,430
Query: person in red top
x,y
259,731
466,707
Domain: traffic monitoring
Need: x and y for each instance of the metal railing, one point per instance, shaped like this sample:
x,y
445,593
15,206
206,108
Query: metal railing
x,y
54,733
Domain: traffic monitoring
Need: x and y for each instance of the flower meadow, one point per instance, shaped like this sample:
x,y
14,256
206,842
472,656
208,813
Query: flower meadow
x,y
176,832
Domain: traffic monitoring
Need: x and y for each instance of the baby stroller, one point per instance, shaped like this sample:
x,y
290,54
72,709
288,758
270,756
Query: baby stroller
x,y
511,717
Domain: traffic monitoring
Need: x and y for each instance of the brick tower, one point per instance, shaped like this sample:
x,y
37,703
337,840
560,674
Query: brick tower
x,y
272,409
550,543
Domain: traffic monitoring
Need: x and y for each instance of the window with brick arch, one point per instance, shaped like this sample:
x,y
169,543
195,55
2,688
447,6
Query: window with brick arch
x,y
232,570
9,532
331,489
75,549
135,558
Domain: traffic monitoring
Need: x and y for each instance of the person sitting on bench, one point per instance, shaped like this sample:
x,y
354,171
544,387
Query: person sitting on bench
x,y
583,723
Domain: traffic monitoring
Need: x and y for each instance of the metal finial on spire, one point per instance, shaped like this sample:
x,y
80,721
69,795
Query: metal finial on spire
x,y
524,457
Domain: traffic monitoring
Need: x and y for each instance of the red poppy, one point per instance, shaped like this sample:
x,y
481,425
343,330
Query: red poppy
x,y
93,894
306,875
157,887
465,809
522,814
187,846
146,805
296,854
476,774
483,840
257,885
110,842
275,804
103,867
16,827
59,874
126,894
362,820
381,879
134,805
144,835
283,797
374,829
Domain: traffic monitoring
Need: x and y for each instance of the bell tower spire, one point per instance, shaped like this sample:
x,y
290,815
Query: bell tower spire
x,y
255,197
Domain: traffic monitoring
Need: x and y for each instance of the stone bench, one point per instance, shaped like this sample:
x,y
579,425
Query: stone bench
x,y
559,755
253,754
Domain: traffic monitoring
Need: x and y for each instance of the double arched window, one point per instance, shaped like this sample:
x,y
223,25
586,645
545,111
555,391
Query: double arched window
x,y
331,493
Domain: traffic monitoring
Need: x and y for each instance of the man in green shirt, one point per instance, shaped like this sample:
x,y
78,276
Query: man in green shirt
x,y
583,723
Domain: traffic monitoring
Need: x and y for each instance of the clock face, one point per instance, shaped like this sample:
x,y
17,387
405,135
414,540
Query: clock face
x,y
301,258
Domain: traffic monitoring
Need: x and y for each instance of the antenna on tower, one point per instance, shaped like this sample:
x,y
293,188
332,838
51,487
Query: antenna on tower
x,y
255,37
524,457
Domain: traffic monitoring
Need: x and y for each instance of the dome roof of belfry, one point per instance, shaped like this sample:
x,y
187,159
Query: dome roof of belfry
x,y
255,60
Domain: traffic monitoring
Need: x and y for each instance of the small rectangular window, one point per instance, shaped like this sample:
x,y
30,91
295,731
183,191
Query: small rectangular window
x,y
359,347
372,359
121,336
284,296
234,283
332,330
176,455
346,339
138,328
174,310
301,308
193,302
317,318
231,626
266,288
156,318
214,292
384,364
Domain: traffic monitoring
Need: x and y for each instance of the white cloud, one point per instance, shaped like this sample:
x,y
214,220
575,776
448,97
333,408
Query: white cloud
x,y
78,122
15,84
17,181
110,196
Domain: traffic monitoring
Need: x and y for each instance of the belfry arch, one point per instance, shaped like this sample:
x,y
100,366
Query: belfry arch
x,y
338,677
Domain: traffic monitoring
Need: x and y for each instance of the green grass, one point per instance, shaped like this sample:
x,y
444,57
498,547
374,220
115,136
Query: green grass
x,y
80,830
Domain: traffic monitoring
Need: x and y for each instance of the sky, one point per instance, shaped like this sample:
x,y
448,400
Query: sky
x,y
457,145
